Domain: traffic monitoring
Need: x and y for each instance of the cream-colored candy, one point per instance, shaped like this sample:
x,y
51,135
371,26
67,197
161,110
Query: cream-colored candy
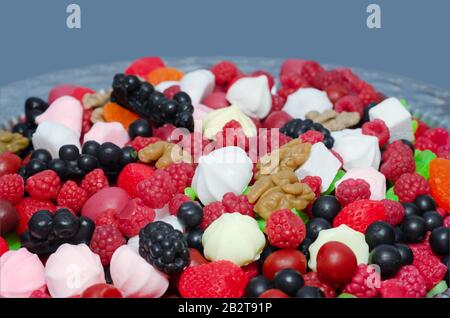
x,y
233,237
353,239
214,121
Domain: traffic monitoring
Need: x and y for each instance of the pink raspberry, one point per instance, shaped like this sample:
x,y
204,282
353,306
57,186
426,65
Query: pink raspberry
x,y
325,79
72,196
424,143
176,201
363,284
134,216
285,91
310,70
224,72
428,264
211,212
438,136
337,91
237,203
312,137
351,190
378,129
396,147
107,217
156,191
277,102
394,212
409,186
285,229
314,183
313,279
416,285
421,129
105,240
444,152
398,164
12,188
349,103
369,95
38,293
232,135
181,174
94,181
393,288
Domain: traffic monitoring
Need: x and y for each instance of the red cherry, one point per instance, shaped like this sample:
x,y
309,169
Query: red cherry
x,y
284,259
273,293
336,263
101,291
9,163
276,119
9,219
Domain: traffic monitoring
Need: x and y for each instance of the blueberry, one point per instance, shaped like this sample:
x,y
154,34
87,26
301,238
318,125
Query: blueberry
x,y
414,229
194,239
328,141
399,237
73,171
190,214
87,163
129,155
388,258
169,108
315,225
440,241
365,117
433,220
157,97
405,253
140,127
85,230
42,155
69,152
23,172
327,207
34,107
132,82
40,224
90,148
425,203
304,246
411,209
256,286
109,154
379,233
288,281
65,224
182,98
309,292
35,166
59,166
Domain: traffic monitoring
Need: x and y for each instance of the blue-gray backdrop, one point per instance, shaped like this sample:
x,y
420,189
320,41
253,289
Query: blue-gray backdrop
x,y
413,40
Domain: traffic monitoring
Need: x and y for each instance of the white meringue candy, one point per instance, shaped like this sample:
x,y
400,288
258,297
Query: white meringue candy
x,y
321,163
52,136
214,121
227,169
305,100
251,95
198,84
234,237
396,117
358,151
161,87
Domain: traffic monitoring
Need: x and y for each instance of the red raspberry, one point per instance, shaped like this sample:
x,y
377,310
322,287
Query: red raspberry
x,y
394,212
293,81
363,284
105,240
312,137
39,294
107,217
409,186
285,229
11,188
26,208
157,191
176,201
134,216
350,79
72,196
232,135
94,181
211,212
314,183
195,144
171,91
393,288
87,123
224,72
3,246
269,76
277,102
139,142
143,66
369,95
428,264
181,174
252,270
313,279
336,92
396,147
441,212
378,129
444,152
360,214
131,175
438,136
310,70
413,280
421,129
237,203
349,103
284,91
219,279
351,190
325,79
447,221
397,165
424,143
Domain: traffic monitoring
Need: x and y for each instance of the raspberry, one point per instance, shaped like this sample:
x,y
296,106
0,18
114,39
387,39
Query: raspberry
x,y
11,188
312,137
269,76
105,240
394,212
157,191
176,201
134,216
409,186
438,136
424,143
362,285
3,246
369,95
72,196
314,183
131,175
211,212
39,294
310,70
293,80
285,91
224,72
26,208
94,181
428,264
313,279
397,165
444,152
232,135
237,203
86,123
277,102
171,91
349,103
421,129
378,129
447,222
360,214
195,144
325,79
336,92
252,270
139,142
351,190
441,212
413,280
143,66
107,217
181,174
219,279
393,288
396,147
285,229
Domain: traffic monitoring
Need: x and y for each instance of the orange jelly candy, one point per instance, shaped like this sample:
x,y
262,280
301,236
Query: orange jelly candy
x,y
440,182
115,112
164,74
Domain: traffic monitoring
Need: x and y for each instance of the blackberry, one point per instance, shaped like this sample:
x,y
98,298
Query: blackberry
x,y
163,247
296,127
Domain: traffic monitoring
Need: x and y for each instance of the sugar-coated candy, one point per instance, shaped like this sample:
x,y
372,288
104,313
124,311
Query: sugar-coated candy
x,y
72,269
358,150
134,277
108,132
108,198
373,177
198,84
21,273
52,136
234,237
305,100
67,111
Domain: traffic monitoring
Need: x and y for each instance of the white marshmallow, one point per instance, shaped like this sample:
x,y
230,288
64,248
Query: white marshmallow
x,y
198,84
396,117
52,136
375,179
321,163
346,132
358,151
133,243
305,100
251,95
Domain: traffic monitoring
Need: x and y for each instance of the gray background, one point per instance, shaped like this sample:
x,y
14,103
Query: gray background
x,y
413,41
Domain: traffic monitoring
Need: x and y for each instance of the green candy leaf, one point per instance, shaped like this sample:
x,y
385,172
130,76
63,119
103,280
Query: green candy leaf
x,y
390,195
404,102
190,193
439,288
415,125
246,190
338,177
346,295
261,224
302,215
13,241
423,159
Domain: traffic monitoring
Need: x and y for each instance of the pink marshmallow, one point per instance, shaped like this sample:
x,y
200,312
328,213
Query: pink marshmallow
x,y
65,110
108,132
374,178
21,273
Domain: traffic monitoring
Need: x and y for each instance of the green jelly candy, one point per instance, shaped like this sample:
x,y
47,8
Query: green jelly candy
x,y
415,125
190,193
423,159
338,177
13,241
346,295
390,195
302,215
261,224
246,190
404,102
438,289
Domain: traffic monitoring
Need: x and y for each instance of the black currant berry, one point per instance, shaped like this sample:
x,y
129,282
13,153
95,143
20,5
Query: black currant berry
x,y
411,209
433,220
91,148
194,239
40,224
327,207
309,292
256,286
65,224
414,229
42,155
129,155
425,203
288,281
406,253
379,233
35,166
315,225
140,127
59,166
109,154
388,258
87,163
69,152
190,214
440,241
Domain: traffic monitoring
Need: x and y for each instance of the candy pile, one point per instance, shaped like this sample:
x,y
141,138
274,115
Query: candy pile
x,y
220,183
